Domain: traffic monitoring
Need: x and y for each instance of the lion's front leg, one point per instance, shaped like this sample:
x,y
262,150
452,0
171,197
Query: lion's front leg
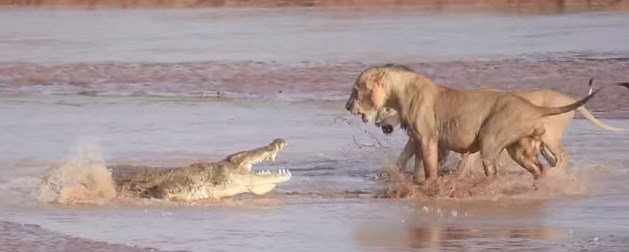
x,y
418,163
406,154
430,154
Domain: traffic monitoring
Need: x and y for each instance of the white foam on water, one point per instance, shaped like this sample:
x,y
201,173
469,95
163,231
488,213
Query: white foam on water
x,y
81,178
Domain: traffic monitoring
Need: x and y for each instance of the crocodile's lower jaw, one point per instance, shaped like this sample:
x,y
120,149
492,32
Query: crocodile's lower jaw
x,y
261,189
259,183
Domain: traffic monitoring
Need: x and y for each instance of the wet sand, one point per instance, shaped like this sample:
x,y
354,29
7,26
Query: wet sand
x,y
316,82
193,86
28,237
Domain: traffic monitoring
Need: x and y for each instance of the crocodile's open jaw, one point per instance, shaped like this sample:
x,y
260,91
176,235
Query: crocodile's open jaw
x,y
263,181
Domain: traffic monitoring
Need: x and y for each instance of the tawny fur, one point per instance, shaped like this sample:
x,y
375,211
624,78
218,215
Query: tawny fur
x,y
525,151
462,121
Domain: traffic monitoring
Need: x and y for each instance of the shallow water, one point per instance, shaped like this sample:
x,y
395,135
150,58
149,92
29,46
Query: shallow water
x,y
327,205
78,83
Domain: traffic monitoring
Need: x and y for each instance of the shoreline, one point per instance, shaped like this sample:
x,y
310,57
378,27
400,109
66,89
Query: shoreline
x,y
532,7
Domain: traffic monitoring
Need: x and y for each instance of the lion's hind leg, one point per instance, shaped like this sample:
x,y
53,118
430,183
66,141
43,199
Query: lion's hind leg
x,y
490,149
525,155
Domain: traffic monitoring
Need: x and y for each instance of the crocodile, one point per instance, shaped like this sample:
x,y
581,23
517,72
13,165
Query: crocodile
x,y
205,180
81,181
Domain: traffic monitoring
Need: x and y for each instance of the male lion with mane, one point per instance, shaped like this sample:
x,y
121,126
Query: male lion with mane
x,y
462,121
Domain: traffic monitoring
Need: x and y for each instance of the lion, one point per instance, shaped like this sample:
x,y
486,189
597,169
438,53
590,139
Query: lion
x,y
461,121
387,119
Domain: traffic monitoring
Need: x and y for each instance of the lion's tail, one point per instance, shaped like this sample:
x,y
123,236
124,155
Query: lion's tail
x,y
548,111
585,113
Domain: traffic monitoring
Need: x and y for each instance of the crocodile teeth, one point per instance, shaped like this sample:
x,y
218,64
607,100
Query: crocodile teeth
x,y
280,172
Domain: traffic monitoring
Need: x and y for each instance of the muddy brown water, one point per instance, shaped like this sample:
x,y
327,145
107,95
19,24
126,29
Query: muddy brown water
x,y
173,87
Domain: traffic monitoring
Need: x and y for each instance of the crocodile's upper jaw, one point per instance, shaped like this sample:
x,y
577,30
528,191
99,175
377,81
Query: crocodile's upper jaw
x,y
262,156
246,159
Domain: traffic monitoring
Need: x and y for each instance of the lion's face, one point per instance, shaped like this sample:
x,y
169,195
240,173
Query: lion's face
x,y
367,96
387,119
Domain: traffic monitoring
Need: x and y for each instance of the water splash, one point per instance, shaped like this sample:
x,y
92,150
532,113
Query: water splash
x,y
81,178
511,183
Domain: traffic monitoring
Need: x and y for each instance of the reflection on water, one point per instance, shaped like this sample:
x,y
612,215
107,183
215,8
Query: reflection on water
x,y
478,226
452,233
461,237
452,237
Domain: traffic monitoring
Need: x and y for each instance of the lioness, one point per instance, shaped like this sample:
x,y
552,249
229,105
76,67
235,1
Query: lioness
x,y
387,119
462,121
